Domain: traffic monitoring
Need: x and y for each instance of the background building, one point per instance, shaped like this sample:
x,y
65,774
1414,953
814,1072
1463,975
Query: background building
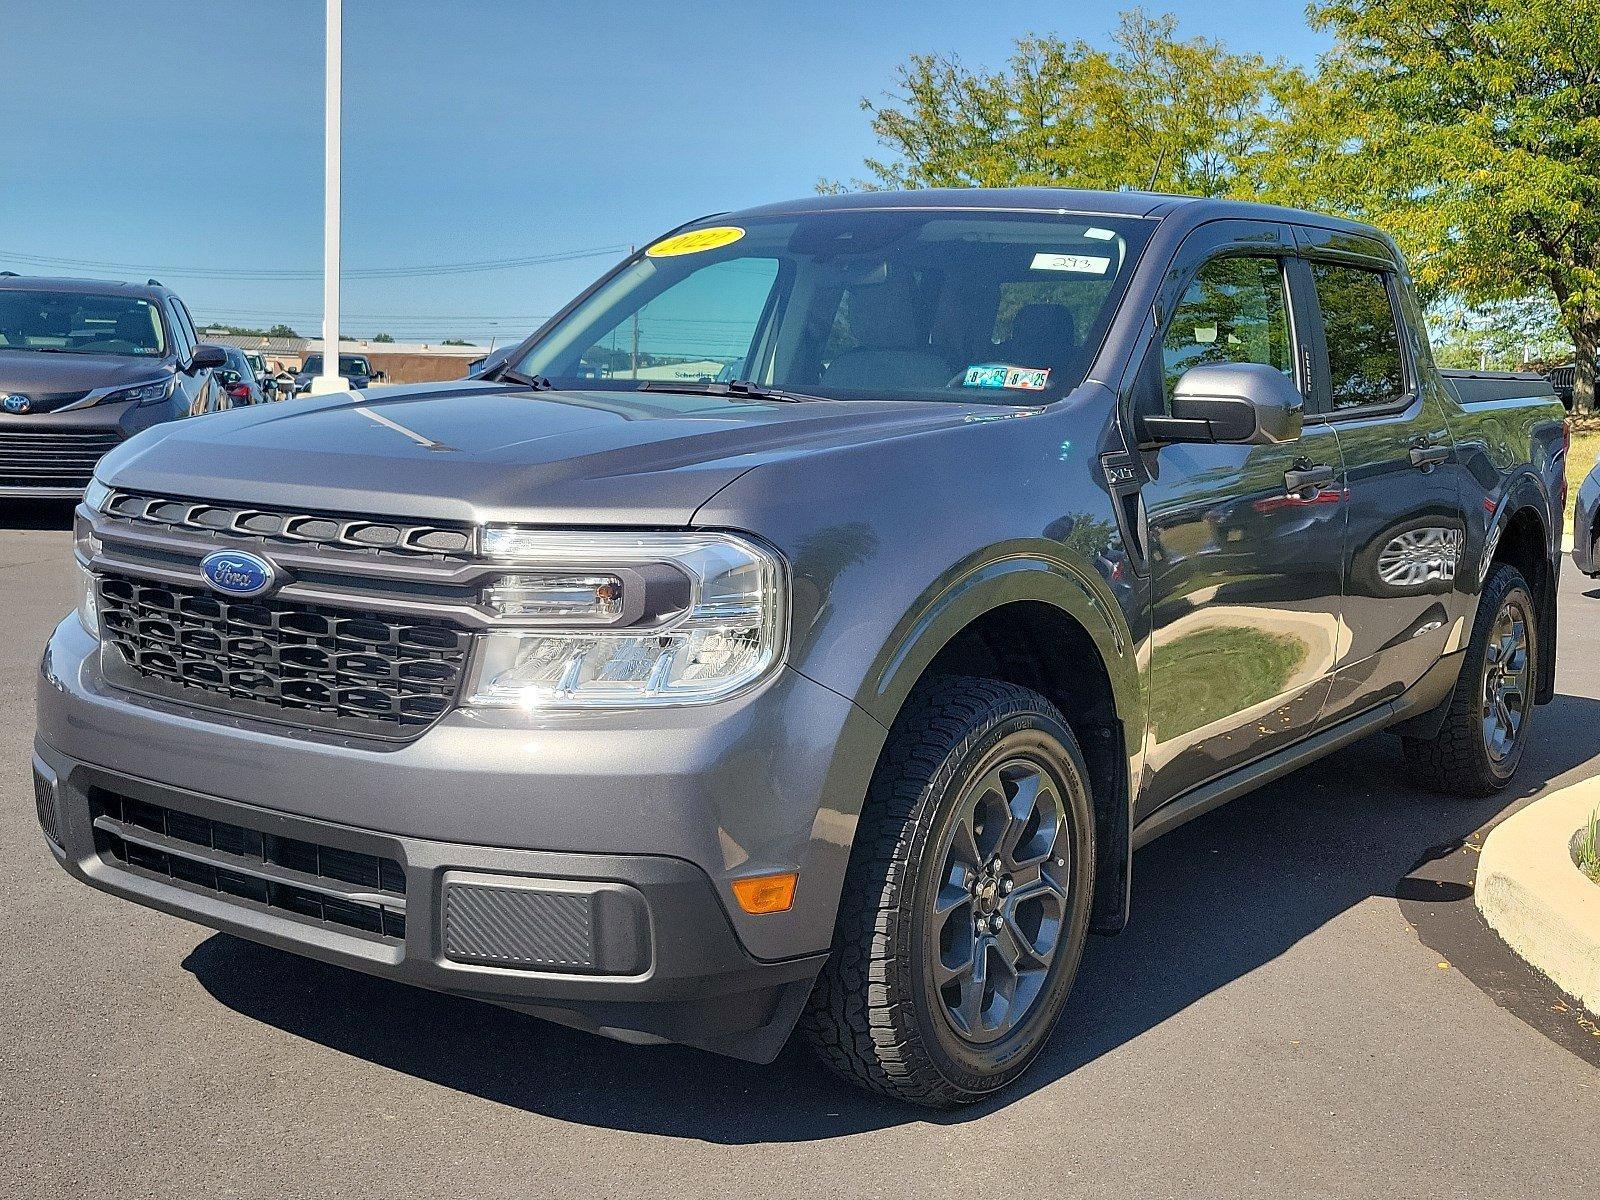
x,y
402,362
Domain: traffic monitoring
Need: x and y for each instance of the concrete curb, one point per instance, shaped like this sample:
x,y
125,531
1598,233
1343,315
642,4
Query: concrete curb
x,y
1533,895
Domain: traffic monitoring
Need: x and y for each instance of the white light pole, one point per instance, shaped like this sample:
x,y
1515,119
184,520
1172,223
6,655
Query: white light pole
x,y
330,380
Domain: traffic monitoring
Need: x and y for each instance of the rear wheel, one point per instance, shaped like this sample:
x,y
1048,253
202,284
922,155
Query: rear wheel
x,y
966,905
1480,744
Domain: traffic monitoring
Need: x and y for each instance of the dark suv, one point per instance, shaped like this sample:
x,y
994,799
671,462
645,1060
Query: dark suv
x,y
353,367
84,364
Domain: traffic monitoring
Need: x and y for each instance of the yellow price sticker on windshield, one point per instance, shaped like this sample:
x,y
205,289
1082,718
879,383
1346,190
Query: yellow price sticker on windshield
x,y
696,241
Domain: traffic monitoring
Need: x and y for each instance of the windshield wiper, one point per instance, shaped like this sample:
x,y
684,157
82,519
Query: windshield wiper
x,y
741,389
538,383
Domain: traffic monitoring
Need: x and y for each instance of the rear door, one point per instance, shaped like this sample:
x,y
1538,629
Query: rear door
x,y
1246,542
1405,527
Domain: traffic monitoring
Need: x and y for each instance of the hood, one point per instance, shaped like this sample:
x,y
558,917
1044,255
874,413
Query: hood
x,y
467,451
51,380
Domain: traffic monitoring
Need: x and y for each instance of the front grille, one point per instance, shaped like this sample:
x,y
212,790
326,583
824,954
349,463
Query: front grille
x,y
325,884
308,665
288,528
40,458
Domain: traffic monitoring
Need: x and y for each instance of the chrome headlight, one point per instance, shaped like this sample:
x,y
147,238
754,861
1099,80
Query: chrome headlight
x,y
88,602
85,545
96,495
145,393
627,619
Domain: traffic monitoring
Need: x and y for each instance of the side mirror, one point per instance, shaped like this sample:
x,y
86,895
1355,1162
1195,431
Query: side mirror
x,y
1242,403
206,358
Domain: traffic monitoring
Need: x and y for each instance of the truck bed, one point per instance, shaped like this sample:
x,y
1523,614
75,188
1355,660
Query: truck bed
x,y
1484,387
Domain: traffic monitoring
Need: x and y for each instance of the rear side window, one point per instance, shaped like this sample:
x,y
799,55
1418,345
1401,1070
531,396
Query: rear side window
x,y
1235,311
1364,364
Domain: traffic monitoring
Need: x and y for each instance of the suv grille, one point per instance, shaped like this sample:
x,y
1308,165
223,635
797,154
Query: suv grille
x,y
293,528
52,458
322,667
322,883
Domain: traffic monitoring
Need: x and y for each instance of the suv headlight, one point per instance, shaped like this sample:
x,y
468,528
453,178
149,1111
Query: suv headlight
x,y
145,393
627,619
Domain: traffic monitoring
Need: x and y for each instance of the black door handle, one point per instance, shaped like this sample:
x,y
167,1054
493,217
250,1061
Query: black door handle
x,y
1304,478
1425,458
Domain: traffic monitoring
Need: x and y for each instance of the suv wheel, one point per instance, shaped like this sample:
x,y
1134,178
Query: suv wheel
x,y
966,904
1480,744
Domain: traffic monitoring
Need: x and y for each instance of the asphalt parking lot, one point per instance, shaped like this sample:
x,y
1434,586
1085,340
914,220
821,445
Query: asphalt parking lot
x,y
1305,1004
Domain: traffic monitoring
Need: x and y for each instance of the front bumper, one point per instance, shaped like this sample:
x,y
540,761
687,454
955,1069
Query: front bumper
x,y
1583,525
672,805
635,947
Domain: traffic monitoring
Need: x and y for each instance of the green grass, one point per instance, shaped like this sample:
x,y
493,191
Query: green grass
x,y
1214,673
1588,852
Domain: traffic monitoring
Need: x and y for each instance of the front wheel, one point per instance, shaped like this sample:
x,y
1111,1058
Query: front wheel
x,y
966,905
1481,742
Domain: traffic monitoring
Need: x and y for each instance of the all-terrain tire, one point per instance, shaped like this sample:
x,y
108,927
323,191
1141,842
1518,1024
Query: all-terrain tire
x,y
1458,761
875,1016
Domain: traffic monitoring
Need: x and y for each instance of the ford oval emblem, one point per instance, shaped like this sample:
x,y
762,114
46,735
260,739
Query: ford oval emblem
x,y
238,573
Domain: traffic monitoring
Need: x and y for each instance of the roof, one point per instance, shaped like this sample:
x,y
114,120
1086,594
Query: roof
x,y
266,345
100,287
300,346
1156,205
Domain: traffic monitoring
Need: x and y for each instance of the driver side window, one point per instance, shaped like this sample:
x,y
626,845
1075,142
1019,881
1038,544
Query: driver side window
x,y
1235,311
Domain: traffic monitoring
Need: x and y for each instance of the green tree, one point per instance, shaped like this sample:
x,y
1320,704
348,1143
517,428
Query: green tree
x,y
382,337
1472,132
1502,336
236,330
282,331
1154,111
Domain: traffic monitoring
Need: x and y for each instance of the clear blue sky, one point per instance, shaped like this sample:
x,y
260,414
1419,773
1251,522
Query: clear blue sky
x,y
190,134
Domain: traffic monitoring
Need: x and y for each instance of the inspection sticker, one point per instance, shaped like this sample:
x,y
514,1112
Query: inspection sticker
x,y
999,375
696,241
1084,264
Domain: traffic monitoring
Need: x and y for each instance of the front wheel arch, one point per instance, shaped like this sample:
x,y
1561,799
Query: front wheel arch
x,y
1036,624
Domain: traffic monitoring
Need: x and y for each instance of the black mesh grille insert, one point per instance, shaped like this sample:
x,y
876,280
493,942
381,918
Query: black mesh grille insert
x,y
50,459
45,803
361,892
323,667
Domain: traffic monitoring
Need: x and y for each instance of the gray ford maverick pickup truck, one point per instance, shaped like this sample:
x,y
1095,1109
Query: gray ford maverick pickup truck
x,y
806,625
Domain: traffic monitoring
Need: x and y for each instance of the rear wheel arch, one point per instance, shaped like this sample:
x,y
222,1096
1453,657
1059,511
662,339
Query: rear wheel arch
x,y
1523,541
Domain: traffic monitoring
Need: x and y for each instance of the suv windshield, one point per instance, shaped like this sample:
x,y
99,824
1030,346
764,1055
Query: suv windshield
x,y
884,304
349,364
72,323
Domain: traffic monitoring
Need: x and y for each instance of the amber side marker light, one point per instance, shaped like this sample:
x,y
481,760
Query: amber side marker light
x,y
766,893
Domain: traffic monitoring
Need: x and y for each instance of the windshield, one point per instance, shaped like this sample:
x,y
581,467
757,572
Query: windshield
x,y
71,323
886,304
349,364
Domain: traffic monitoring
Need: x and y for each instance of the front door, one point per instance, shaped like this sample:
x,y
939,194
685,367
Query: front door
x,y
1246,542
1406,528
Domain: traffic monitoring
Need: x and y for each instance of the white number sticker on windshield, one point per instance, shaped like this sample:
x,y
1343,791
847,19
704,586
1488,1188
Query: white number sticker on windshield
x,y
1085,264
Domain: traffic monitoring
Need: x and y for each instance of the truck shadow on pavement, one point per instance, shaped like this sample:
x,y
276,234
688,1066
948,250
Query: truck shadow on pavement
x,y
36,514
1212,902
